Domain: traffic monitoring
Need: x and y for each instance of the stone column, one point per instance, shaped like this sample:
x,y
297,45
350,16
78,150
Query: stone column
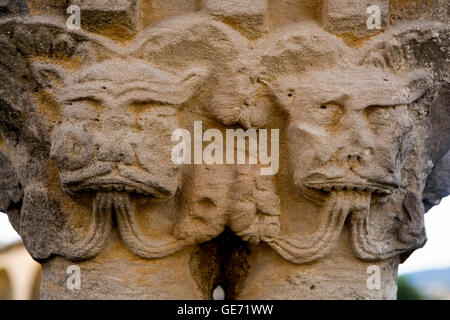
x,y
350,100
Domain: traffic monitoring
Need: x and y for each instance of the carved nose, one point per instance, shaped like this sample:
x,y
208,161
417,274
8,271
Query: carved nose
x,y
358,135
116,151
355,157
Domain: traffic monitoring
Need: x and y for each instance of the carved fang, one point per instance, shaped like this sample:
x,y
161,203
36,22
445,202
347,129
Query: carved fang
x,y
367,248
135,240
101,224
306,249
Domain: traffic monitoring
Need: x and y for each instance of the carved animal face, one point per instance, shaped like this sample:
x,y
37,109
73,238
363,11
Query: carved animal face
x,y
348,129
116,127
104,146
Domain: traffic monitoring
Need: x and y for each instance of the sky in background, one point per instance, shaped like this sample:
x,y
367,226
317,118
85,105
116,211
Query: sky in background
x,y
435,254
7,233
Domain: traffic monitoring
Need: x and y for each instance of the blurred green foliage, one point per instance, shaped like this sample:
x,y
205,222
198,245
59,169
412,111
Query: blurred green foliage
x,y
406,291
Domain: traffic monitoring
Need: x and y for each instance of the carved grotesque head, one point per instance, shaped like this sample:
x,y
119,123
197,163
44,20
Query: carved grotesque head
x,y
348,128
118,117
354,126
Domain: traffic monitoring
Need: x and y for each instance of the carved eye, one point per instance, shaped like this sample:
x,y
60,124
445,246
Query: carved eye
x,y
381,115
81,109
327,113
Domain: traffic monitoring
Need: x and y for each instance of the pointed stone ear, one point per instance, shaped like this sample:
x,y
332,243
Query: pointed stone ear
x,y
271,84
191,82
411,46
176,90
281,89
265,79
47,75
31,49
412,86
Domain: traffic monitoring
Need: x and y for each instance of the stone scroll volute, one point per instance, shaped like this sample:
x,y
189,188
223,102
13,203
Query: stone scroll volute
x,y
87,122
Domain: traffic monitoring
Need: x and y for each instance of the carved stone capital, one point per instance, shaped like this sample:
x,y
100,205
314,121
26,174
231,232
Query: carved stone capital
x,y
311,146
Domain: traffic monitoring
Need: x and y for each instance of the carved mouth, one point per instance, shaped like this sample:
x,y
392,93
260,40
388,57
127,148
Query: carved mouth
x,y
370,187
119,184
106,177
321,182
318,191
